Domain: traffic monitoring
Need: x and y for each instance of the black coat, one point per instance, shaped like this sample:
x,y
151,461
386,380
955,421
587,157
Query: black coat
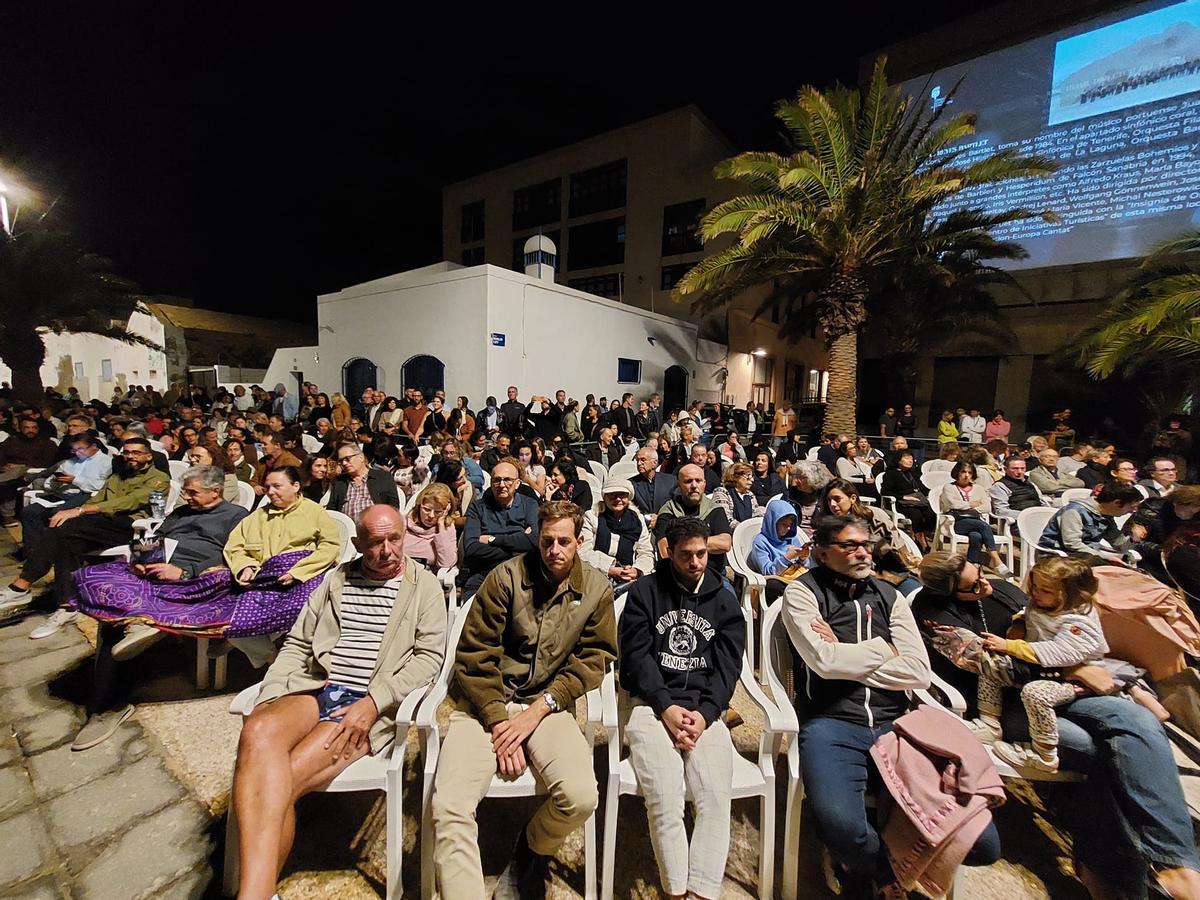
x,y
380,485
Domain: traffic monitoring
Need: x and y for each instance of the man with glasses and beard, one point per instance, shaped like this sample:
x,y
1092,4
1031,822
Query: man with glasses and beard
x,y
501,524
857,639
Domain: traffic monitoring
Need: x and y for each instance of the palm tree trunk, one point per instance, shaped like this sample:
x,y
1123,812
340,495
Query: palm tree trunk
x,y
24,352
842,404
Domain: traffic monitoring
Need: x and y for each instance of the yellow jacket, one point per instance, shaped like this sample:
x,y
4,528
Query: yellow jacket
x,y
267,532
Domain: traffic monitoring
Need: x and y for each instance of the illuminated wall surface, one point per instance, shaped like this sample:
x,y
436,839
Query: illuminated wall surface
x,y
1116,101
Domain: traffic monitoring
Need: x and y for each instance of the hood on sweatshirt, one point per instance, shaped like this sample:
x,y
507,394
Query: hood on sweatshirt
x,y
768,554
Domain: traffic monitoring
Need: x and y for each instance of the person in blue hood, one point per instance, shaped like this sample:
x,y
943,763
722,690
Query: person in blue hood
x,y
779,544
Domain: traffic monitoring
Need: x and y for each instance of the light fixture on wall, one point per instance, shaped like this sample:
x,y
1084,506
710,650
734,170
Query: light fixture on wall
x,y
760,352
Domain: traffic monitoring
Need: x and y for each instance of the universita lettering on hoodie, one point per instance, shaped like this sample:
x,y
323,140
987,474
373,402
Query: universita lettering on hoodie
x,y
681,627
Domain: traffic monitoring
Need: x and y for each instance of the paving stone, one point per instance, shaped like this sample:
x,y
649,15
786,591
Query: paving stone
x,y
46,889
10,750
150,856
110,803
15,647
16,792
26,847
191,886
63,769
43,666
47,730
30,700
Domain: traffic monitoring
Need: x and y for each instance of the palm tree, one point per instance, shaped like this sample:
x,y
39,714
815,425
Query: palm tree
x,y
48,285
1153,323
846,216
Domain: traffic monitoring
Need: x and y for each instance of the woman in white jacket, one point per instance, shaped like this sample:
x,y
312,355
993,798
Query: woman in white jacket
x,y
615,537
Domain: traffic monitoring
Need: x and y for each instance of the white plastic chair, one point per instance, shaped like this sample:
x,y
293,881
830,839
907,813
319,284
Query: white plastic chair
x,y
945,533
310,443
744,534
599,469
346,527
178,467
811,453
425,453
751,778
1075,494
623,469
596,484
246,495
528,784
887,503
384,772
1030,525
935,479
936,465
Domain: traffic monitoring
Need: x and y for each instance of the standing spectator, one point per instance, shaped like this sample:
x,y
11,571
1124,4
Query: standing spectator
x,y
392,413
414,418
784,420
461,423
906,424
512,415
341,415
570,423
888,422
489,419
947,431
972,426
435,422
284,405
997,428
680,678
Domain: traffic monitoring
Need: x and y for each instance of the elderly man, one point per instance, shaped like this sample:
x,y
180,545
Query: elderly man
x,y
538,635
373,632
200,526
512,415
651,489
104,521
71,483
284,405
359,486
501,524
1014,492
691,502
25,450
607,451
1049,478
861,653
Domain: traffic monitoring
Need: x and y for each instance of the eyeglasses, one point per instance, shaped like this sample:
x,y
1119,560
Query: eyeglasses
x,y
977,587
496,480
852,546
345,459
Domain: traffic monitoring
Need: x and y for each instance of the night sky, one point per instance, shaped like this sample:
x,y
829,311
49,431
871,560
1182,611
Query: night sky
x,y
251,160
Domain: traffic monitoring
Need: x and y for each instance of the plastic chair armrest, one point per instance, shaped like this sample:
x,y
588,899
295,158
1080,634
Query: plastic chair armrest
x,y
954,698
780,720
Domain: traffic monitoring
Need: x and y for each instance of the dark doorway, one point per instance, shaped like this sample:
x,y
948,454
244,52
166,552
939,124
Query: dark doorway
x,y
427,373
675,382
357,374
966,381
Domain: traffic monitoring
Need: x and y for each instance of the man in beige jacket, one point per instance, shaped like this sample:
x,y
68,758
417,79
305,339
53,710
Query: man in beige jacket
x,y
374,631
539,635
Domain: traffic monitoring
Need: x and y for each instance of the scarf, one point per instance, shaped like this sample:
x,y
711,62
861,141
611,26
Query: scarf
x,y
626,529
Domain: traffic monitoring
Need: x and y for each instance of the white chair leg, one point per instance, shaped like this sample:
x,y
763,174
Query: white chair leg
x,y
427,873
589,857
229,886
791,838
395,829
202,663
766,852
608,859
952,894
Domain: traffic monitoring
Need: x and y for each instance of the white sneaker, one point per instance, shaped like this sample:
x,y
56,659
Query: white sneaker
x,y
986,732
1023,756
54,624
137,638
1004,571
13,601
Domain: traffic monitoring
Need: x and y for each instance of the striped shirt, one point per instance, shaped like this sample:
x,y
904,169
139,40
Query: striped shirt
x,y
366,606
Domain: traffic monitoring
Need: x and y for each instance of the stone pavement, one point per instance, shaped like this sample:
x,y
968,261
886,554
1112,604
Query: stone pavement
x,y
142,815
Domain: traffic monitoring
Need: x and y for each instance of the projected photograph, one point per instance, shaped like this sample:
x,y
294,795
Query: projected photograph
x,y
1149,57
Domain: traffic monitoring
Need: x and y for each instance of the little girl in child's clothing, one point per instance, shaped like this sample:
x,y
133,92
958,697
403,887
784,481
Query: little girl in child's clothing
x,y
1061,629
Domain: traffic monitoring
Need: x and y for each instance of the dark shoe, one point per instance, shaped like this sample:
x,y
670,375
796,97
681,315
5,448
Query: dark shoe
x,y
525,875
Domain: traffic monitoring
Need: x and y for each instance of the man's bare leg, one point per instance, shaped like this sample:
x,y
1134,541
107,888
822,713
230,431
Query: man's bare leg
x,y
263,788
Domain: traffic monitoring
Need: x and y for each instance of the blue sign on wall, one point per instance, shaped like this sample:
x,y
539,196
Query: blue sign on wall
x,y
497,338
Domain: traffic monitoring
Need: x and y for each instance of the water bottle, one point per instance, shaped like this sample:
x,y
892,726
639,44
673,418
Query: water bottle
x,y
158,504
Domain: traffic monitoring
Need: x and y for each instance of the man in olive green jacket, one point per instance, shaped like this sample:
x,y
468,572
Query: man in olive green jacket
x,y
539,634
373,632
106,520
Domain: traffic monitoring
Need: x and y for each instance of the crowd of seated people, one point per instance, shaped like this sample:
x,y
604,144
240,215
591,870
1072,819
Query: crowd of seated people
x,y
522,498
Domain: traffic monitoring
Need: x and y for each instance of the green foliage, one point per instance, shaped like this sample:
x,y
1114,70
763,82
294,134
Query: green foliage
x,y
1152,325
841,224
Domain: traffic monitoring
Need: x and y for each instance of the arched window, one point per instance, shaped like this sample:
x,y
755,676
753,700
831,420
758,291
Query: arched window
x,y
358,373
428,373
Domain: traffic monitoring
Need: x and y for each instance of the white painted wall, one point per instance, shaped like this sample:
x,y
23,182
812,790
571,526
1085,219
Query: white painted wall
x,y
130,364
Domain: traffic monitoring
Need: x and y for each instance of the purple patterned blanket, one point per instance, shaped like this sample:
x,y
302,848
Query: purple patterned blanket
x,y
211,605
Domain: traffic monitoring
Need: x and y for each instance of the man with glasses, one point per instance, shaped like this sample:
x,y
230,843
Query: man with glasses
x,y
452,450
858,643
501,524
1161,477
358,486
106,520
71,483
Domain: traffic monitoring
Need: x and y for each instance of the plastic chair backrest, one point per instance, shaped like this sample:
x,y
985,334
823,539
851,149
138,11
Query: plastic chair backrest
x,y
811,453
1032,522
935,496
595,483
246,495
310,443
744,534
1075,494
598,469
346,526
935,479
174,492
623,469
177,467
907,543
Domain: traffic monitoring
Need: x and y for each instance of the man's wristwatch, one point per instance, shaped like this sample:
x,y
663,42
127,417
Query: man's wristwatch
x,y
549,700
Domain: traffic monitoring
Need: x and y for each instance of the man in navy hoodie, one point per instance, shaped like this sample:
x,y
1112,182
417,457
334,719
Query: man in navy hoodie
x,y
681,640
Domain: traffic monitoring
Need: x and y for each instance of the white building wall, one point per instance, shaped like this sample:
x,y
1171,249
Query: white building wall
x,y
77,360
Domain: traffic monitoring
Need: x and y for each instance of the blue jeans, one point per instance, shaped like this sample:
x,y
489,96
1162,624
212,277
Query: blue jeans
x,y
836,767
978,534
1130,814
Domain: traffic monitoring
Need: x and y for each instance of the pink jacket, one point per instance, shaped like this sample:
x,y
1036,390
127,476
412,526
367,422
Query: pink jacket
x,y
942,785
439,548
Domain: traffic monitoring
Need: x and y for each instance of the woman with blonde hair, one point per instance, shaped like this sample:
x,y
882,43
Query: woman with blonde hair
x,y
341,412
430,536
